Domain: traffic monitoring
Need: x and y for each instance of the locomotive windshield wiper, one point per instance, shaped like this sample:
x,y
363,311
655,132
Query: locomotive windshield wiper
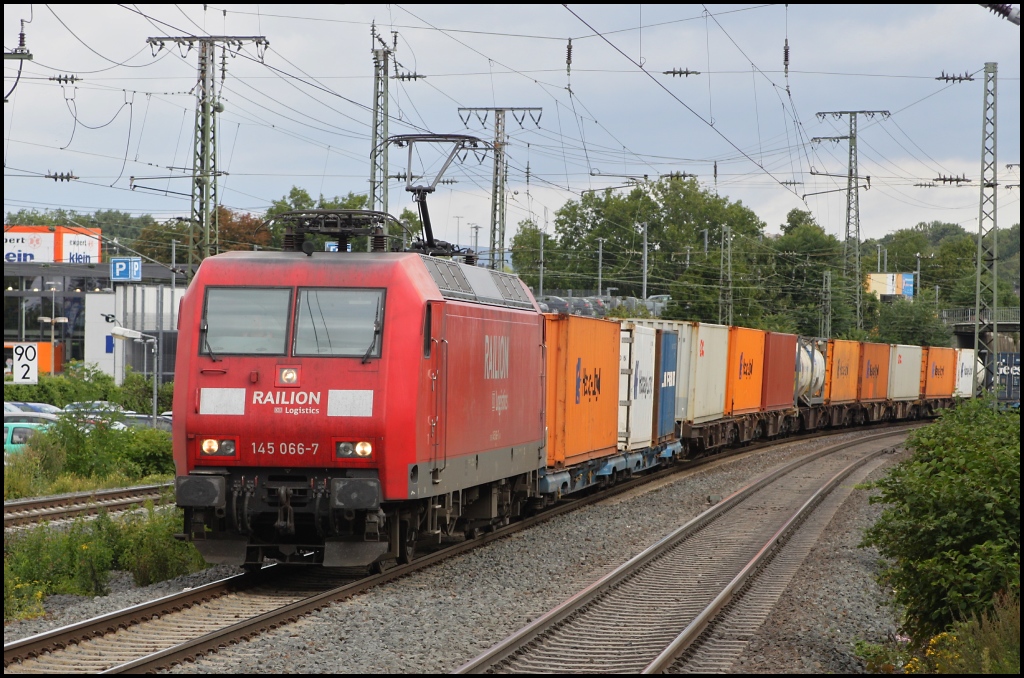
x,y
376,333
205,329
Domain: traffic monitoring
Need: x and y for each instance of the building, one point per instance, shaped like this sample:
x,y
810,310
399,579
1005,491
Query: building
x,y
55,273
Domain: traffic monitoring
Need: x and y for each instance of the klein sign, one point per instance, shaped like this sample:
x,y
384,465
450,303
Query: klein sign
x,y
51,244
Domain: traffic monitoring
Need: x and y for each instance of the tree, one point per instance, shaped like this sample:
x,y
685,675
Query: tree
x,y
676,213
117,227
795,219
299,199
525,249
911,322
240,230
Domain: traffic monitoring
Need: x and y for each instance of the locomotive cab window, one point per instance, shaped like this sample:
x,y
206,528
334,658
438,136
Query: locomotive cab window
x,y
245,321
339,322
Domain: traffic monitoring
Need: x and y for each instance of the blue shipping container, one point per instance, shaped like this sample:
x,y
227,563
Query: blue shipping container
x,y
1008,376
667,360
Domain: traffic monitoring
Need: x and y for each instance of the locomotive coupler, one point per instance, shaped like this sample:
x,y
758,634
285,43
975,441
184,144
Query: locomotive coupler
x,y
285,514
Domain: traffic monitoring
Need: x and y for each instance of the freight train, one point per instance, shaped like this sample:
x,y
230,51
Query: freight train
x,y
333,408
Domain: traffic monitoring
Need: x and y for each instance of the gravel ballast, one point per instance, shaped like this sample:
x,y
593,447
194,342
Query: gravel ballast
x,y
435,620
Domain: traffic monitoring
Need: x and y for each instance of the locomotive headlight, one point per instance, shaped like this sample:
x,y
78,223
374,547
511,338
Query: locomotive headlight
x,y
361,449
289,375
210,447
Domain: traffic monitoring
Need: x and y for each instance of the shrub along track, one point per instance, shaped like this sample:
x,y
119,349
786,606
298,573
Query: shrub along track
x,y
193,623
23,512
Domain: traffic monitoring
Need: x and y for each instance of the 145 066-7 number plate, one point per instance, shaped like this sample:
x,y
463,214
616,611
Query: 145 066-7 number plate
x,y
284,448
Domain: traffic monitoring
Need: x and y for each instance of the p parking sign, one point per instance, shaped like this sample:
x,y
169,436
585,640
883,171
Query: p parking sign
x,y
26,364
125,269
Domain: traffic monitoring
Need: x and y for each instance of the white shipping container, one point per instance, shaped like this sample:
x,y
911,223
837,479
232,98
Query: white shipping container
x,y
967,364
636,386
686,336
709,360
904,372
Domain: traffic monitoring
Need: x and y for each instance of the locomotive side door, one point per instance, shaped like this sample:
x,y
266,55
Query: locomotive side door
x,y
438,347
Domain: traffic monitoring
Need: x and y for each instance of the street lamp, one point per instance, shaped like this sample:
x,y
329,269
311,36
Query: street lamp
x,y
53,320
125,333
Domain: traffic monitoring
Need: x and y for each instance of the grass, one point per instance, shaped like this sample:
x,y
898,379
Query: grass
x,y
43,561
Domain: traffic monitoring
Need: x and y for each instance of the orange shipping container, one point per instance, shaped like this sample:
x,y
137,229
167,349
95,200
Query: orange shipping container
x,y
874,372
843,361
582,388
939,378
745,374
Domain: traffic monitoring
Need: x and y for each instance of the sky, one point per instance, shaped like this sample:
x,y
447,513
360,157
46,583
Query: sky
x,y
298,113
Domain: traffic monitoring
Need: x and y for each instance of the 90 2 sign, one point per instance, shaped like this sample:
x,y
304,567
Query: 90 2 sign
x,y
26,364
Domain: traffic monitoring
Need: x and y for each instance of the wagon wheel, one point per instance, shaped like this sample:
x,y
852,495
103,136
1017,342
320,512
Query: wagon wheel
x,y
406,542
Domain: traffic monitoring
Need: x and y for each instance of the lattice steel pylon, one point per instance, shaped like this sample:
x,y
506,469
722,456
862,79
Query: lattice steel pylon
x,y
379,149
986,285
825,325
499,177
204,233
851,243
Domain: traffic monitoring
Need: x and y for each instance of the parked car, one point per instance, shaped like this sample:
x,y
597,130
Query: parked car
x,y
11,407
39,407
600,308
96,406
631,303
556,304
580,306
657,303
17,435
146,421
544,308
29,417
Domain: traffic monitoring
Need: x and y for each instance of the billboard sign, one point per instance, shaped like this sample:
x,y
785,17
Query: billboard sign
x,y
51,244
33,244
891,284
79,248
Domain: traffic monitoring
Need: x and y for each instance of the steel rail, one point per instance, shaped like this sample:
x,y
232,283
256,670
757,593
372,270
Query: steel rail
x,y
60,638
214,640
29,511
510,645
692,632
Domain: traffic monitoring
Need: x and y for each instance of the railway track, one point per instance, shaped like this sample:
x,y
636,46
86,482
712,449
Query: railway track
x,y
30,511
193,623
688,602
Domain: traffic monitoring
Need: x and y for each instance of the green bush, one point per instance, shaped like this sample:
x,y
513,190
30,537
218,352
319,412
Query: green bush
x,y
152,554
85,382
43,561
77,560
148,451
988,643
951,533
72,457
79,382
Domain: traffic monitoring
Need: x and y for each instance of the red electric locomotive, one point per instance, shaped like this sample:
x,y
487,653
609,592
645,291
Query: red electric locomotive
x,y
329,408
